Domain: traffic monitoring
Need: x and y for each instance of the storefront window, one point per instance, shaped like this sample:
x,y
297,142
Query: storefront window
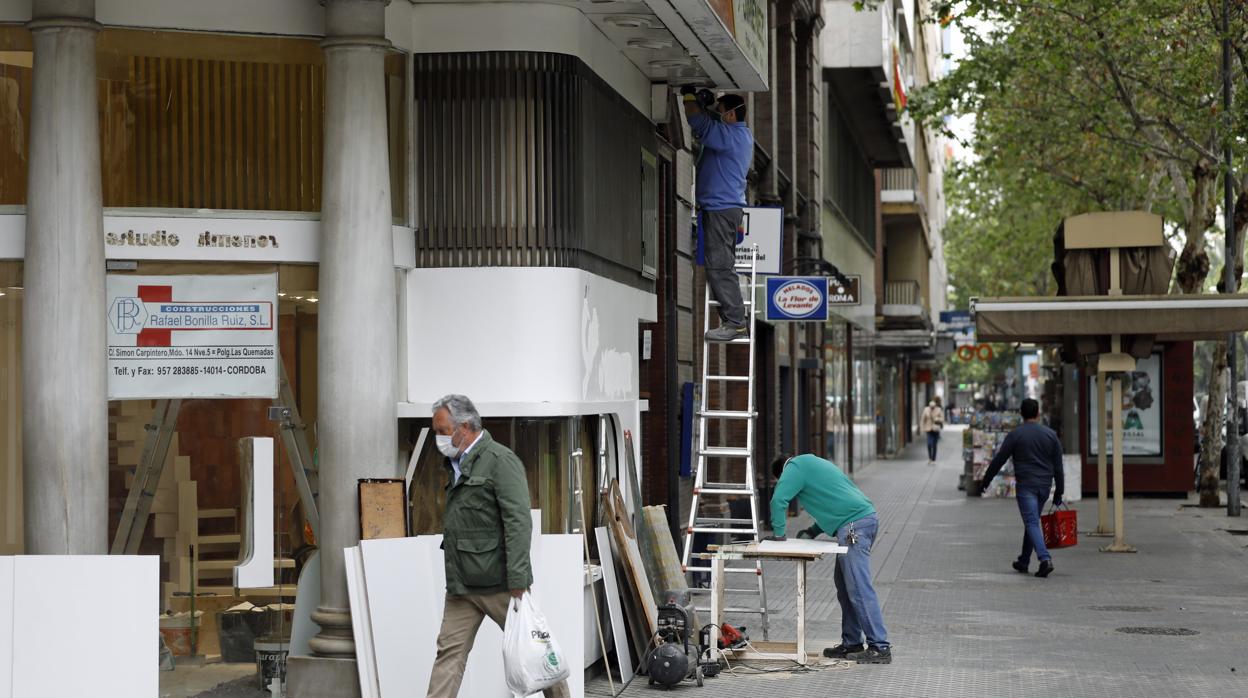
x,y
10,415
15,77
545,446
865,414
223,122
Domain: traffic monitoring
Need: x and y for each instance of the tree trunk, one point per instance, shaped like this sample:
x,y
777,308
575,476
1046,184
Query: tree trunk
x,y
1211,431
1193,269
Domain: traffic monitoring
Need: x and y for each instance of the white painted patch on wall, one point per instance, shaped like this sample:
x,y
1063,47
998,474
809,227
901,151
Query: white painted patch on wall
x,y
523,336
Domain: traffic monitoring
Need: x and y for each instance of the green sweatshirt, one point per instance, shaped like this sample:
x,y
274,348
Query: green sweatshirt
x,y
830,497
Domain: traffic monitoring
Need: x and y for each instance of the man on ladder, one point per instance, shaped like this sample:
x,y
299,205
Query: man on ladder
x,y
727,150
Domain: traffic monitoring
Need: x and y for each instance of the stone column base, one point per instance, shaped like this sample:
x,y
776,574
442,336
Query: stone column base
x,y
322,677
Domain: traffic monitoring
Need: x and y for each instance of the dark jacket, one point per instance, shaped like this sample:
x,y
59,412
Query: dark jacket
x,y
1037,455
487,525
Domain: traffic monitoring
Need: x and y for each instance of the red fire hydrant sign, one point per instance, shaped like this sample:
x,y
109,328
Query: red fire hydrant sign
x,y
192,336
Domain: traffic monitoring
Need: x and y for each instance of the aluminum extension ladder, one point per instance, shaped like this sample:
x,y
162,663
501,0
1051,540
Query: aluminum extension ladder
x,y
709,517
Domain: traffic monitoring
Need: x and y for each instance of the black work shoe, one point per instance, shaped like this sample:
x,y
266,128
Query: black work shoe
x,y
1046,566
1020,567
871,655
842,651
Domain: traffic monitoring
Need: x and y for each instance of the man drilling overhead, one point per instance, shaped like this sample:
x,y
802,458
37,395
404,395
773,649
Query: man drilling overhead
x,y
727,149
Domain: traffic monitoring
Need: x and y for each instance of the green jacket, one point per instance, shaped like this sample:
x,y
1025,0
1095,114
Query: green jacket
x,y
832,499
487,525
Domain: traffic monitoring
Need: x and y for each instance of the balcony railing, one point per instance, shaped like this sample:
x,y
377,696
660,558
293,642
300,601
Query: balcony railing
x,y
904,292
898,179
900,185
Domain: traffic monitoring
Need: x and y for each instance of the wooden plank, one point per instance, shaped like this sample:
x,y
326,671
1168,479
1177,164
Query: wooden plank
x,y
165,501
131,430
631,556
181,464
165,525
188,512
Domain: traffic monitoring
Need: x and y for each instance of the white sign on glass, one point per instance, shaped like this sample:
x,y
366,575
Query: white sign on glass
x,y
762,226
192,336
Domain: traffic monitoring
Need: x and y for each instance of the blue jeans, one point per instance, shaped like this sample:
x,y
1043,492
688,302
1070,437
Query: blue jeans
x,y
933,438
1030,502
860,609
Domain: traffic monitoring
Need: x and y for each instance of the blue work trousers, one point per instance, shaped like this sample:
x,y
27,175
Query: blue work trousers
x,y
1030,502
860,609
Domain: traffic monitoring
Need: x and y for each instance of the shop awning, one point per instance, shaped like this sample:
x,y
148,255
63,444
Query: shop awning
x,y
1050,319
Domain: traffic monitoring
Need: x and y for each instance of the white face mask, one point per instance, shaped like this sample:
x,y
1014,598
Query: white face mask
x,y
446,446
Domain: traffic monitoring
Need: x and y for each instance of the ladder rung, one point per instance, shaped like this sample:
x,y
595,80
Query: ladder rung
x,y
735,379
712,519
727,414
712,529
738,340
743,486
717,451
717,490
745,267
743,301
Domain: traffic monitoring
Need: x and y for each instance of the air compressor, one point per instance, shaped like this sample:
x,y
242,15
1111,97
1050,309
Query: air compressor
x,y
676,657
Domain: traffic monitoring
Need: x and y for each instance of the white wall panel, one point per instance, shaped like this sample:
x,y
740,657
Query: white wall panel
x,y
81,596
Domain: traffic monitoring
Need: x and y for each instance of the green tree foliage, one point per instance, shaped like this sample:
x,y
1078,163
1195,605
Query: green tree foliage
x,y
1084,105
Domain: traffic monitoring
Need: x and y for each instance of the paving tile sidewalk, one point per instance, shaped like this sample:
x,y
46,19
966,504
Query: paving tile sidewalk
x,y
964,624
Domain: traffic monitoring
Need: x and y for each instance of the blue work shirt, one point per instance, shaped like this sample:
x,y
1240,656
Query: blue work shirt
x,y
727,150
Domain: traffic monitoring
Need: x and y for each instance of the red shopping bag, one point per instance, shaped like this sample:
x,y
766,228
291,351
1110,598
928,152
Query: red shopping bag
x,y
1061,527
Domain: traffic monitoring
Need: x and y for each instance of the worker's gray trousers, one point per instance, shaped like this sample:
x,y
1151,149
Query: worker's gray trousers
x,y
719,231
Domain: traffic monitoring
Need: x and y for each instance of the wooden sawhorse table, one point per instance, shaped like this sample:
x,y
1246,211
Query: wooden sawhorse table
x,y
799,551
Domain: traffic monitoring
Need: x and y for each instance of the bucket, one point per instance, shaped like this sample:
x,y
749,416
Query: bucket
x,y
271,659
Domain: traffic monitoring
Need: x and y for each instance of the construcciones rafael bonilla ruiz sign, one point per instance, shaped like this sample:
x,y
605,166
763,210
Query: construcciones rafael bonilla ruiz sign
x,y
192,336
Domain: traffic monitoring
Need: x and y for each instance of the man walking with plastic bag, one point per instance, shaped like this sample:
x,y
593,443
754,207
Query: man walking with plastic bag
x,y
486,539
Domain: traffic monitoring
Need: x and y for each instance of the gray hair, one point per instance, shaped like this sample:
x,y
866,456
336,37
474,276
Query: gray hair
x,y
461,409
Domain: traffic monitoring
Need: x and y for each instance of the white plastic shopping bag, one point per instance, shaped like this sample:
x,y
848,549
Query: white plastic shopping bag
x,y
532,660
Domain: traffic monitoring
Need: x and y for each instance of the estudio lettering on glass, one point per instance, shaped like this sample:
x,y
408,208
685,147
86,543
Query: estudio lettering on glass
x,y
163,238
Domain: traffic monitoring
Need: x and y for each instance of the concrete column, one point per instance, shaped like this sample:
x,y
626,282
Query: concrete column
x,y
357,426
65,402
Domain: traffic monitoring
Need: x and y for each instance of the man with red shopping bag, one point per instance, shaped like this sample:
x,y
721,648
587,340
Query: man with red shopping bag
x,y
1037,455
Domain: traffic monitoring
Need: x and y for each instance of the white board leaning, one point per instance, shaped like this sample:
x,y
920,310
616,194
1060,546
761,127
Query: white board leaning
x,y
192,336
